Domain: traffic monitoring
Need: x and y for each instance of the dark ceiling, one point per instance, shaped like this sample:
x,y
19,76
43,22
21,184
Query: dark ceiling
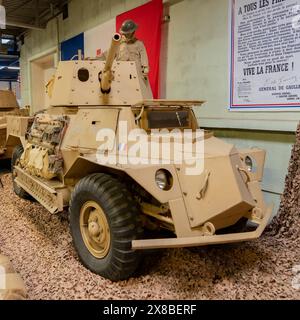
x,y
21,16
32,14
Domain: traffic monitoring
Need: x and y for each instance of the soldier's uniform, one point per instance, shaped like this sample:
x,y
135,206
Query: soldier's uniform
x,y
131,49
134,50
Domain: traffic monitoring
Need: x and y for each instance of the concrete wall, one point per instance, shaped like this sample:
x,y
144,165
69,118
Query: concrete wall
x,y
195,65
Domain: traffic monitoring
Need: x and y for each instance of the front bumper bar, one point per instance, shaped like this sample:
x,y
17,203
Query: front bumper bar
x,y
204,240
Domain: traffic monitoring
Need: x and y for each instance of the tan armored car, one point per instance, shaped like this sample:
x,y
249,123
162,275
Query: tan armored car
x,y
77,155
8,107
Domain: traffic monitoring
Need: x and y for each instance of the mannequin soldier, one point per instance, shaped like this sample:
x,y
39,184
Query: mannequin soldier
x,y
131,49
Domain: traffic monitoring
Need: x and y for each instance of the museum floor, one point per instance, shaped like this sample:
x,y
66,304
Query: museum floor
x,y
41,250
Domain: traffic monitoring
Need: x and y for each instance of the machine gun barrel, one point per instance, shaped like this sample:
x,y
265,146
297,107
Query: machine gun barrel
x,y
106,76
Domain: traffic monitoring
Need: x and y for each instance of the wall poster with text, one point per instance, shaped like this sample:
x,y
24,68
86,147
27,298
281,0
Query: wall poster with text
x,y
265,55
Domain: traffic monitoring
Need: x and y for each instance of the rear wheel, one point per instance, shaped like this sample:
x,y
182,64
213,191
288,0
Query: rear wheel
x,y
16,155
104,220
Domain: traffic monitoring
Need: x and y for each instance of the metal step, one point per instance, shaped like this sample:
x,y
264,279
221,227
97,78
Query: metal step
x,y
53,199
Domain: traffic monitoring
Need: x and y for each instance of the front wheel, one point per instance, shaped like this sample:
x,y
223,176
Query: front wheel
x,y
104,220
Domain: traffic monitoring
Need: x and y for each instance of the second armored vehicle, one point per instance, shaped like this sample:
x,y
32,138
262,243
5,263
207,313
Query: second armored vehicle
x,y
8,107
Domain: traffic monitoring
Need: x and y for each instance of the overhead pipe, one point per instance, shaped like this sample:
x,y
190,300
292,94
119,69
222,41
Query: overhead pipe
x,y
19,24
8,56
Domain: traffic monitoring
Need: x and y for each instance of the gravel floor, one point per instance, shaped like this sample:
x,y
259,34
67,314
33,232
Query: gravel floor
x,y
40,247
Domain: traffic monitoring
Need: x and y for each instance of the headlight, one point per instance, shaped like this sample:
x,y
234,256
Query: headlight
x,y
251,164
164,179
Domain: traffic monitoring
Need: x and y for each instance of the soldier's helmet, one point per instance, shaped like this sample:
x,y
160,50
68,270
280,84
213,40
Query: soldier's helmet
x,y
128,26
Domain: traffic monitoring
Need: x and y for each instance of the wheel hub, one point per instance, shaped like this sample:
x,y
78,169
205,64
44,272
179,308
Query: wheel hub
x,y
94,229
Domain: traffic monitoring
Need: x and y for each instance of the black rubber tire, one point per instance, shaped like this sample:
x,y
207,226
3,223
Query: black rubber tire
x,y
16,155
123,218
